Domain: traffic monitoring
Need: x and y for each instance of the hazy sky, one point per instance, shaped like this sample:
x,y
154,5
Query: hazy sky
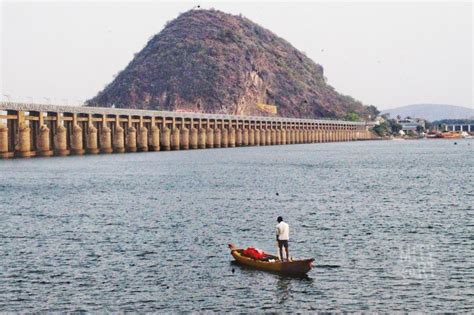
x,y
386,54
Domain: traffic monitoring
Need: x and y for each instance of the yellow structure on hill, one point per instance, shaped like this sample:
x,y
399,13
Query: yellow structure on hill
x,y
269,109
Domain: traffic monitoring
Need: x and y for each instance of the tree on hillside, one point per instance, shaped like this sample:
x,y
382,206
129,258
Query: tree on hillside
x,y
352,117
394,127
381,129
372,111
388,127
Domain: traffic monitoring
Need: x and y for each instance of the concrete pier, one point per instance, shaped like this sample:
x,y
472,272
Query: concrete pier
x,y
224,137
28,130
142,141
217,136
283,133
154,138
165,144
239,137
209,137
118,141
91,142
251,141
175,138
131,139
256,136
4,150
246,136
193,138
184,137
106,139
263,135
44,143
202,133
232,137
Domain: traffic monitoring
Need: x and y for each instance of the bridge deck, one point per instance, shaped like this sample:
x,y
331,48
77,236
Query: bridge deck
x,y
27,107
46,130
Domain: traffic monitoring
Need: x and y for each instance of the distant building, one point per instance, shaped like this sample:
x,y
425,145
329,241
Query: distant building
x,y
411,124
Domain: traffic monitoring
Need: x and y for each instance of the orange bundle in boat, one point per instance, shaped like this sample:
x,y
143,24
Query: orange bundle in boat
x,y
253,253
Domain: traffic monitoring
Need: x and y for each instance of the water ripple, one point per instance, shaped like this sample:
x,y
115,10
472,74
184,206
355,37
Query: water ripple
x,y
389,223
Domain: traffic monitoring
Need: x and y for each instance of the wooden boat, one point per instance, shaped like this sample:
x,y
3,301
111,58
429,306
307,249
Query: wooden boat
x,y
272,263
431,135
449,135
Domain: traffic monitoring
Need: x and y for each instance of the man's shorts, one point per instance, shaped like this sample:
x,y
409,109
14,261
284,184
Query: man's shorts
x,y
283,243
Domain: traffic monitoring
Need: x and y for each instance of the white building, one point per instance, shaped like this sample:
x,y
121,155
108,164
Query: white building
x,y
411,124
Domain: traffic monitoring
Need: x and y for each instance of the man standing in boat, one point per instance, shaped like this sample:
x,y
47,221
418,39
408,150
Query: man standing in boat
x,y
282,236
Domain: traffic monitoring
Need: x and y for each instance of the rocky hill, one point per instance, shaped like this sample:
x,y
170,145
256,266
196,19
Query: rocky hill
x,y
210,61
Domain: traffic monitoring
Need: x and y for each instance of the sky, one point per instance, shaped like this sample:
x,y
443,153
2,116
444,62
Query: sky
x,y
386,54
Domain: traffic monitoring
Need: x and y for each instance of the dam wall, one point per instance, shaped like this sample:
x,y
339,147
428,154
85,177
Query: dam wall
x,y
28,130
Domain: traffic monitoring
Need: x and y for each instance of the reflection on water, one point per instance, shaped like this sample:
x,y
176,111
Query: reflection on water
x,y
327,266
389,224
283,289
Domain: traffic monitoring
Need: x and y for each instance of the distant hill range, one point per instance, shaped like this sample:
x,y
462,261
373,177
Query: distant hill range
x,y
210,61
431,112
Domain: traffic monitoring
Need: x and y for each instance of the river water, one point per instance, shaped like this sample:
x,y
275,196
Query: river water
x,y
390,224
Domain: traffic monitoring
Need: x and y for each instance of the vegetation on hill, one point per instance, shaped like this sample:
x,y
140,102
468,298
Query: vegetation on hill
x,y
210,61
389,127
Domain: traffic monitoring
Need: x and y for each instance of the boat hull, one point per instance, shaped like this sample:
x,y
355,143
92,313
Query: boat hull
x,y
296,267
449,135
